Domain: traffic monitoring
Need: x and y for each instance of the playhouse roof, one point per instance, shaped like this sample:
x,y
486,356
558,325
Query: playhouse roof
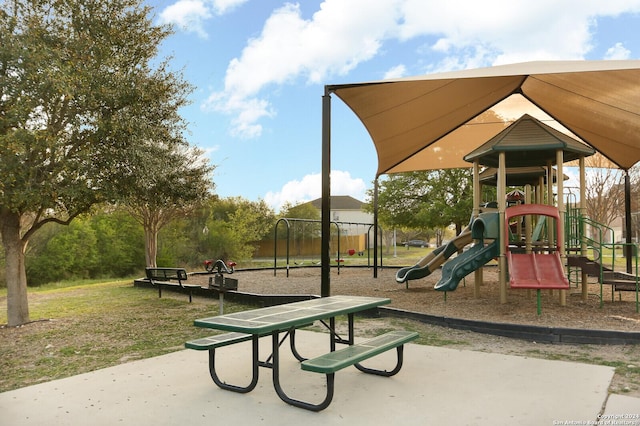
x,y
433,121
528,142
518,176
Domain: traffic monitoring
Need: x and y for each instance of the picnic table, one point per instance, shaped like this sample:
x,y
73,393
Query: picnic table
x,y
286,318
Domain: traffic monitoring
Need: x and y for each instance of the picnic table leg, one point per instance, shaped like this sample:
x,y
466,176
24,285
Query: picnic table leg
x,y
396,370
235,388
282,394
292,344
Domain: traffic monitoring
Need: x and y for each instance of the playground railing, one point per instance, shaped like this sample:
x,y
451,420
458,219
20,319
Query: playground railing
x,y
604,254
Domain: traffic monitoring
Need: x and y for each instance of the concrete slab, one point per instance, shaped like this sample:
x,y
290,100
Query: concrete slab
x,y
435,386
622,410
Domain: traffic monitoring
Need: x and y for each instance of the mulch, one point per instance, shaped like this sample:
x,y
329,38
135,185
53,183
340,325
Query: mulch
x,y
419,296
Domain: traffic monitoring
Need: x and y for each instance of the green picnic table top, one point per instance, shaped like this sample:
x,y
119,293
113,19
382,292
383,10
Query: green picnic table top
x,y
283,317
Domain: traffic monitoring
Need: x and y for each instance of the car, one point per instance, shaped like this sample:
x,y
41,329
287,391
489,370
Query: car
x,y
415,243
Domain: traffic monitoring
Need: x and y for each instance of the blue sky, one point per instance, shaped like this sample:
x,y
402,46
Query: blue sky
x,y
259,68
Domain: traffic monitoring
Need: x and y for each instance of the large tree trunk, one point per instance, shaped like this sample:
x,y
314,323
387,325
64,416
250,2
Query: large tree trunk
x,y
151,244
16,276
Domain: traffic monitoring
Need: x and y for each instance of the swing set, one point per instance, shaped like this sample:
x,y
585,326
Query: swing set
x,y
301,230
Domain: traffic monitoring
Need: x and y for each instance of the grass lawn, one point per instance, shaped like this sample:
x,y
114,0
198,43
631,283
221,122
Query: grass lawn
x,y
83,327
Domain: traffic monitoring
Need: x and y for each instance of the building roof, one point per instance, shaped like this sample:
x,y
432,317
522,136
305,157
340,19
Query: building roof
x,y
340,202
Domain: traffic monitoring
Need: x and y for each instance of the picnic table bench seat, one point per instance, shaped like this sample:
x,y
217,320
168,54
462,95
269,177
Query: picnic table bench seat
x,y
217,341
162,277
331,362
354,354
211,343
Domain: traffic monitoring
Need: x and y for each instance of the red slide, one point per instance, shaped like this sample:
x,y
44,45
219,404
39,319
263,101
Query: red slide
x,y
536,270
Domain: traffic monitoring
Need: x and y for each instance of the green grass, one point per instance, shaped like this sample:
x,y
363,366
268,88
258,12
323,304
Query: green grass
x,y
80,328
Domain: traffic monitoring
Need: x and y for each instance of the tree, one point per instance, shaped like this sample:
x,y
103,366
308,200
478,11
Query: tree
x,y
172,180
450,199
300,211
604,190
78,93
423,200
233,226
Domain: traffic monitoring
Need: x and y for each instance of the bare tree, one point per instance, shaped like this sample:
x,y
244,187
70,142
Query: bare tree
x,y
604,191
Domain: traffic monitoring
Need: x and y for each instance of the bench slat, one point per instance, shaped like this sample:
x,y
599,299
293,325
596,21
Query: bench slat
x,y
217,341
220,340
337,360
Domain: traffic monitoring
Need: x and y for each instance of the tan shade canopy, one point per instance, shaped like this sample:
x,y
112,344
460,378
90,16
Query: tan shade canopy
x,y
433,121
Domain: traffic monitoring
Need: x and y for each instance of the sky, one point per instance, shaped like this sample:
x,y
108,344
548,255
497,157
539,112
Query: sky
x,y
259,68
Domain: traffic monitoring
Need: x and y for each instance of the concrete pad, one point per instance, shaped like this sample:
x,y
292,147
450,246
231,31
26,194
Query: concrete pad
x,y
435,386
624,409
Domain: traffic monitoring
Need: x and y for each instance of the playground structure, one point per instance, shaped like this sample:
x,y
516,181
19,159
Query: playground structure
x,y
526,260
482,229
347,234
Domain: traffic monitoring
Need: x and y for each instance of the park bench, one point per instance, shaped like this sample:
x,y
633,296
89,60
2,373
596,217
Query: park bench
x,y
163,277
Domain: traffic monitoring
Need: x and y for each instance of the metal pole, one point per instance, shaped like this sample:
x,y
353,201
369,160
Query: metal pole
x,y
325,256
375,227
627,220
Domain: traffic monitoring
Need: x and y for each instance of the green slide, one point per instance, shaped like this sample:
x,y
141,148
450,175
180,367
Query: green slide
x,y
433,260
462,265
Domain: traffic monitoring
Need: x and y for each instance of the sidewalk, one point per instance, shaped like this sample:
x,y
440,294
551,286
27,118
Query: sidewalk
x,y
436,386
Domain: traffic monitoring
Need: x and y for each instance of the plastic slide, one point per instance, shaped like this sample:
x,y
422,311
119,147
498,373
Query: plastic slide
x,y
433,260
463,264
536,271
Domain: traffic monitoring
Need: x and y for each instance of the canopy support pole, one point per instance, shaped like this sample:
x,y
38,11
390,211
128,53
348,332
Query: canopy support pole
x,y
627,221
325,255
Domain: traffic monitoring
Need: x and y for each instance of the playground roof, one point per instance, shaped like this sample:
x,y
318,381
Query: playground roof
x,y
528,142
518,176
433,121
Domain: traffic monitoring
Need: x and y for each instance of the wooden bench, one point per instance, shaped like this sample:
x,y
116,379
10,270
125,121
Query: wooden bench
x,y
162,277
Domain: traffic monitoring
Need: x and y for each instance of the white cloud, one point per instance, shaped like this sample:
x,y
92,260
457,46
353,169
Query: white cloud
x,y
223,6
617,51
190,15
344,33
310,187
335,40
396,72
